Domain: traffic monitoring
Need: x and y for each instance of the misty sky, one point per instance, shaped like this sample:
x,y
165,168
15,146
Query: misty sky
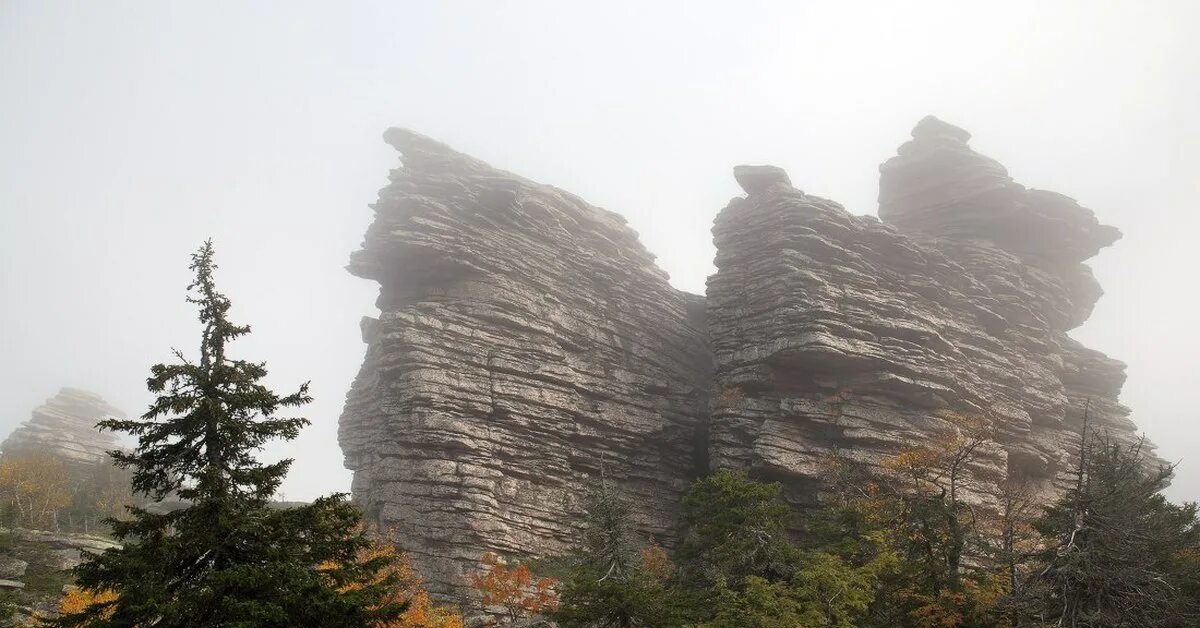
x,y
131,131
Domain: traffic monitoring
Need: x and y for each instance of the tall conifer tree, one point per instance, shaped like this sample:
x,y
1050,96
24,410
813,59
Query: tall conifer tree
x,y
227,558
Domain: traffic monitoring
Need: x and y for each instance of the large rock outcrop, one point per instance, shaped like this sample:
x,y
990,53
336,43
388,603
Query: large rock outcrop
x,y
839,332
65,427
526,341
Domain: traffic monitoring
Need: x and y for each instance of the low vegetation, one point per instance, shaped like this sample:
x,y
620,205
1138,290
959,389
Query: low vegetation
x,y
901,547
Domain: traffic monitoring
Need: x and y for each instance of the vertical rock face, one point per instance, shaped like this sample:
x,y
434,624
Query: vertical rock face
x,y
526,341
65,427
839,332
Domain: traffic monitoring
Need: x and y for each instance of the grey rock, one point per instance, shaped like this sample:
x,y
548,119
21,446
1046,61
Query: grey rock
x,y
11,584
492,621
937,186
840,332
65,426
933,128
759,179
11,567
58,540
526,341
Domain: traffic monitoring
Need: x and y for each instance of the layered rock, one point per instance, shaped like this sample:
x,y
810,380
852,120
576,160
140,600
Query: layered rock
x,y
65,427
936,186
526,341
833,332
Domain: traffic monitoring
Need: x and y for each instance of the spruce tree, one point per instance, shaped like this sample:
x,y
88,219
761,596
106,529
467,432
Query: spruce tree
x,y
736,528
227,558
609,586
1118,553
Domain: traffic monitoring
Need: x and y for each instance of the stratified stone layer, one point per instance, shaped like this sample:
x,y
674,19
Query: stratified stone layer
x,y
65,427
526,341
936,186
834,332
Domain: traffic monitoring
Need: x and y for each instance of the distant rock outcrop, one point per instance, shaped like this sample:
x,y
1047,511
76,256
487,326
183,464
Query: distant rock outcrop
x,y
526,340
65,426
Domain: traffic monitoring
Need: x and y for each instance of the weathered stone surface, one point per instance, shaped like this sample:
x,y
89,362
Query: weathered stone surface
x,y
50,541
759,179
11,567
937,186
34,564
64,426
526,340
840,332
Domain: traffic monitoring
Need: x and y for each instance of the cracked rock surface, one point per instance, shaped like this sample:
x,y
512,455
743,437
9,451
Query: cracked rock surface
x,y
527,341
833,332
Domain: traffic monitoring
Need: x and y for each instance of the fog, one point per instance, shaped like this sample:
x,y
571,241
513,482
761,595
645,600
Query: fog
x,y
131,131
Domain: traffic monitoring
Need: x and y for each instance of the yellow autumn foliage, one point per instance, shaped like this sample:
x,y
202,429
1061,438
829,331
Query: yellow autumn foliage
x,y
421,611
78,600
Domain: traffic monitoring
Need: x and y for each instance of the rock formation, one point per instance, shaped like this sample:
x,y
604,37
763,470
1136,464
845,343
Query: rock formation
x,y
65,426
526,341
840,332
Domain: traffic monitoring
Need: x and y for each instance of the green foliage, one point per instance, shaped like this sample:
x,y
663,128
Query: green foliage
x,y
825,591
758,604
738,567
610,583
898,547
42,579
226,558
610,546
587,598
835,592
1119,554
736,528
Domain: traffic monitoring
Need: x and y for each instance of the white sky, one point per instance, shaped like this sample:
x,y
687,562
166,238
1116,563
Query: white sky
x,y
131,131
